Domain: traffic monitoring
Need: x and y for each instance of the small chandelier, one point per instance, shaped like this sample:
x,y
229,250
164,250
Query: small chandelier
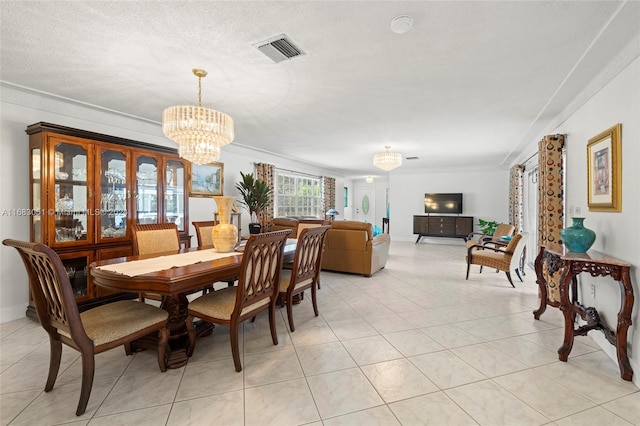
x,y
199,132
369,179
387,160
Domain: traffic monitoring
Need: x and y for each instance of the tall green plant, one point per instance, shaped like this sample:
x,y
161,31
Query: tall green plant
x,y
256,194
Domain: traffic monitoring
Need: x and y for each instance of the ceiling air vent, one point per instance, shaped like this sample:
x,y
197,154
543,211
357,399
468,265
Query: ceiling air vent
x,y
411,158
279,48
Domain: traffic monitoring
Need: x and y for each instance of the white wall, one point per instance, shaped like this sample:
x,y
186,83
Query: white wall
x,y
485,196
616,233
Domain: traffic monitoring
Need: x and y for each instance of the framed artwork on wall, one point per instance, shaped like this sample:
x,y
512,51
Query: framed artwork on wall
x,y
604,171
206,180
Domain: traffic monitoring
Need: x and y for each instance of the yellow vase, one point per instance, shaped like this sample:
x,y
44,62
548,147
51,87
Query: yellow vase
x,y
224,235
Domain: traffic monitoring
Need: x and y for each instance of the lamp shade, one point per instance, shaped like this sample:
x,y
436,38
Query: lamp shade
x,y
332,212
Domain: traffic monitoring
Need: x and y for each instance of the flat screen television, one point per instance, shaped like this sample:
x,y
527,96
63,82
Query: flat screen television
x,y
443,203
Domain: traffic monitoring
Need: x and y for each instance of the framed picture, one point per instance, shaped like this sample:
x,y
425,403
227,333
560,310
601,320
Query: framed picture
x,y
604,171
206,180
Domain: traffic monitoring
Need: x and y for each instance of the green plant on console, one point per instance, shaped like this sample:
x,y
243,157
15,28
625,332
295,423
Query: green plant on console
x,y
486,227
256,195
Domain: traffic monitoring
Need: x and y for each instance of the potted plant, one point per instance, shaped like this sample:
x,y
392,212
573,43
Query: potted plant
x,y
487,228
256,195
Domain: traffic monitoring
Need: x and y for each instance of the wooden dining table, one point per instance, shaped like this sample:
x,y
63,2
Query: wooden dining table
x,y
174,283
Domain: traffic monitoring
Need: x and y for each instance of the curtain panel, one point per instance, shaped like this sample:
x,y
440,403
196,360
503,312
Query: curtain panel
x,y
267,174
550,190
516,185
329,193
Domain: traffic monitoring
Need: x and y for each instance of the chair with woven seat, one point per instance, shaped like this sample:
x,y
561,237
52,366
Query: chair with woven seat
x,y
90,332
154,238
502,230
506,258
203,232
257,290
305,272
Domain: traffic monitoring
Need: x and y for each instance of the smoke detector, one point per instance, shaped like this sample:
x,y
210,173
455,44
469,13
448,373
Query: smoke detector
x,y
401,24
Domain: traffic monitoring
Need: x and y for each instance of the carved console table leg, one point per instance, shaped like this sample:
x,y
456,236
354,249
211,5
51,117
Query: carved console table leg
x,y
624,321
569,314
542,284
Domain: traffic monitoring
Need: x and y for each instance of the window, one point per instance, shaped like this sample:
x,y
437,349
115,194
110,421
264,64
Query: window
x,y
298,195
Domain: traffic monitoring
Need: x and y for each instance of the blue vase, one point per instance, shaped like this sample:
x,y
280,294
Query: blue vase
x,y
577,238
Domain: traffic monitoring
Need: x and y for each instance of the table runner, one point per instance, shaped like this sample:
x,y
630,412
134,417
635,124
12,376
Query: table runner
x,y
161,263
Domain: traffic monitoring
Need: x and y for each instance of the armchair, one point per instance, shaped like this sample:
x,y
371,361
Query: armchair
x,y
502,230
504,259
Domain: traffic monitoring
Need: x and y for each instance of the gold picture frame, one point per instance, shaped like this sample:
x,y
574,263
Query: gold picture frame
x,y
206,180
604,171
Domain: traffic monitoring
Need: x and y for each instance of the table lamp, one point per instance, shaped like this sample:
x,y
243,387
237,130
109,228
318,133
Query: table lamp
x,y
333,213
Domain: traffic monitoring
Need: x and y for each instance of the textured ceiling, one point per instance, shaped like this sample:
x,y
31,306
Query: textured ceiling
x,y
472,84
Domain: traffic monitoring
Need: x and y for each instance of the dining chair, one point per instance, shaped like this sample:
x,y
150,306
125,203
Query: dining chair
x,y
91,332
257,290
506,258
203,232
154,238
305,272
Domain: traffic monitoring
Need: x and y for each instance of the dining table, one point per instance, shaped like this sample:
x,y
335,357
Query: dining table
x,y
174,275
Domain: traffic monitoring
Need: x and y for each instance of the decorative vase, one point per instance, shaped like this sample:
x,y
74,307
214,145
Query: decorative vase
x,y
577,238
224,235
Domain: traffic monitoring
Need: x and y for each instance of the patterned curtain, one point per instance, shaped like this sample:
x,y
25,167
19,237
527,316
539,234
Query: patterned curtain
x,y
516,185
550,190
329,193
267,173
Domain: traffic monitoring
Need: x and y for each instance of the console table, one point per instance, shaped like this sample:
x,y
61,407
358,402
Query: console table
x,y
553,259
442,226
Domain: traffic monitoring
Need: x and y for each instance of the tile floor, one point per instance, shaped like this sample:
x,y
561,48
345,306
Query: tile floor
x,y
415,344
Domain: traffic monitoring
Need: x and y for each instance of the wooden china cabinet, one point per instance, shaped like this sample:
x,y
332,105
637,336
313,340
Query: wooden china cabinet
x,y
87,189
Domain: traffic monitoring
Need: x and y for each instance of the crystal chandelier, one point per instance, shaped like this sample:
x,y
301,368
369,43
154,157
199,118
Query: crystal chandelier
x,y
387,160
199,132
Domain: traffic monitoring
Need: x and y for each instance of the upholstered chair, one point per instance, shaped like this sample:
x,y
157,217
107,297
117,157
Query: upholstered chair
x,y
504,259
155,238
90,332
305,272
502,230
203,232
257,290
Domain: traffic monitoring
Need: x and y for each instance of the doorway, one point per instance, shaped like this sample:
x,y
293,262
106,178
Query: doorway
x,y
365,205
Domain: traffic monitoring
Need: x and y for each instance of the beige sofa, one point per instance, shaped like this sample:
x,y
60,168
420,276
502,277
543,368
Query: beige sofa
x,y
349,245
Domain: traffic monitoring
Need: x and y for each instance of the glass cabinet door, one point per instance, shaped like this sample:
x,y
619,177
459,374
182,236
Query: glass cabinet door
x,y
146,190
113,197
174,193
75,264
72,195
